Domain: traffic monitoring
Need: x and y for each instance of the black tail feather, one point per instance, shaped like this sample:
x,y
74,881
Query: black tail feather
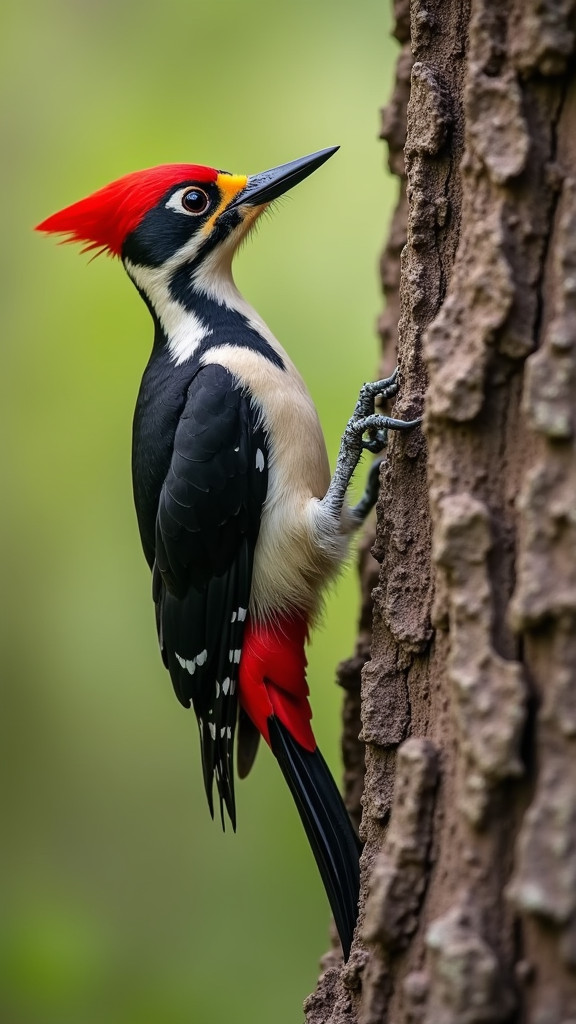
x,y
328,827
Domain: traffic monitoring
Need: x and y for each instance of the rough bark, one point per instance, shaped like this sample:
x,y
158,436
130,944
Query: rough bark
x,y
465,688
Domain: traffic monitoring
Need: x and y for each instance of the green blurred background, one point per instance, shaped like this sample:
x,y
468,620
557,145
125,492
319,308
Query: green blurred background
x,y
122,902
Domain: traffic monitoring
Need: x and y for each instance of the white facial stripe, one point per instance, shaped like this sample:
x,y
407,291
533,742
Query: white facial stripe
x,y
190,663
183,329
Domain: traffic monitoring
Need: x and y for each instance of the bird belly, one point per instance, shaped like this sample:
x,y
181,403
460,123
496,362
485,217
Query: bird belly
x,y
300,548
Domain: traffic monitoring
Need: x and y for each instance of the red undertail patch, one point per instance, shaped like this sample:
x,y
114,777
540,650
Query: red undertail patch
x,y
272,679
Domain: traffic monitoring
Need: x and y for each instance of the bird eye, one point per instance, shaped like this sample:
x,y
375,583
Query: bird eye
x,y
195,201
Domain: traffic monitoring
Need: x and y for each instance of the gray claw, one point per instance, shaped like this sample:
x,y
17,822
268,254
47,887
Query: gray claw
x,y
364,421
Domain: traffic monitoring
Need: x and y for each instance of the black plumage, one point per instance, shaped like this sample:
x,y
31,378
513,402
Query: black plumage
x,y
334,843
206,501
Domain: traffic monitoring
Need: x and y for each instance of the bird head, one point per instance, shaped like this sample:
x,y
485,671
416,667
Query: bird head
x,y
177,213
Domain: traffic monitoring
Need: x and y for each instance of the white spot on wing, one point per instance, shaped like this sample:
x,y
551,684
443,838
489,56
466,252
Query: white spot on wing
x,y
260,460
201,658
189,665
226,686
237,654
212,729
242,614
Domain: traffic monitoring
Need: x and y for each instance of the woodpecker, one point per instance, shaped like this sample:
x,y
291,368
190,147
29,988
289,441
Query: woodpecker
x,y
241,524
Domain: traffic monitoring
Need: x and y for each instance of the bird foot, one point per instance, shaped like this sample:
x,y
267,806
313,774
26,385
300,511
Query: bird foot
x,y
365,421
384,389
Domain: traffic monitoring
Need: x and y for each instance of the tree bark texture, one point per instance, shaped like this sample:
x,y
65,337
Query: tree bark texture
x,y
465,687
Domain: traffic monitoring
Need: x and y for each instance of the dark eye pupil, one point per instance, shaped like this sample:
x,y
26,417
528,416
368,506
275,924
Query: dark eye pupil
x,y
195,201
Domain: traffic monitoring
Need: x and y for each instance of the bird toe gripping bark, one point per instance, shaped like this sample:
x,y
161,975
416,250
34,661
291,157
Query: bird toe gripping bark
x,y
384,389
365,420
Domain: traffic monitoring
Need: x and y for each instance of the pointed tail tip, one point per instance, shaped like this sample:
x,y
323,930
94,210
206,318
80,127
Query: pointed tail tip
x,y
332,838
346,937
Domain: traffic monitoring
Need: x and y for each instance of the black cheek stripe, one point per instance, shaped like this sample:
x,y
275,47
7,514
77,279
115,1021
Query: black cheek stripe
x,y
228,326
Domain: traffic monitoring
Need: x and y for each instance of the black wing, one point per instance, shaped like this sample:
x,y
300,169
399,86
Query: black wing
x,y
206,531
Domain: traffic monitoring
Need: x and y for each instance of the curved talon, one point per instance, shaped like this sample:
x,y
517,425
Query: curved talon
x,y
387,393
376,422
391,424
375,445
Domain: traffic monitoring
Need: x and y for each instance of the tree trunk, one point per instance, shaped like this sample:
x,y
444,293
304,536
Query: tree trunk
x,y
468,681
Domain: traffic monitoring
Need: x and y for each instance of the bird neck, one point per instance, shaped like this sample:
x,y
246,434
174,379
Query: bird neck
x,y
199,306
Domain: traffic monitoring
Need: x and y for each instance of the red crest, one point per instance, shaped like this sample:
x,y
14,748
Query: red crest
x,y
104,219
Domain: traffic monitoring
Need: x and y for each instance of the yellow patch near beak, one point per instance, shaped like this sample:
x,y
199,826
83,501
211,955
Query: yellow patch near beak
x,y
230,186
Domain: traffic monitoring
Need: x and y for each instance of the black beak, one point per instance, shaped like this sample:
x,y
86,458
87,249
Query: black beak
x,y
268,185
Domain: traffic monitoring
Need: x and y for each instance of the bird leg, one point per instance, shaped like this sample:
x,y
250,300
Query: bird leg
x,y
364,420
